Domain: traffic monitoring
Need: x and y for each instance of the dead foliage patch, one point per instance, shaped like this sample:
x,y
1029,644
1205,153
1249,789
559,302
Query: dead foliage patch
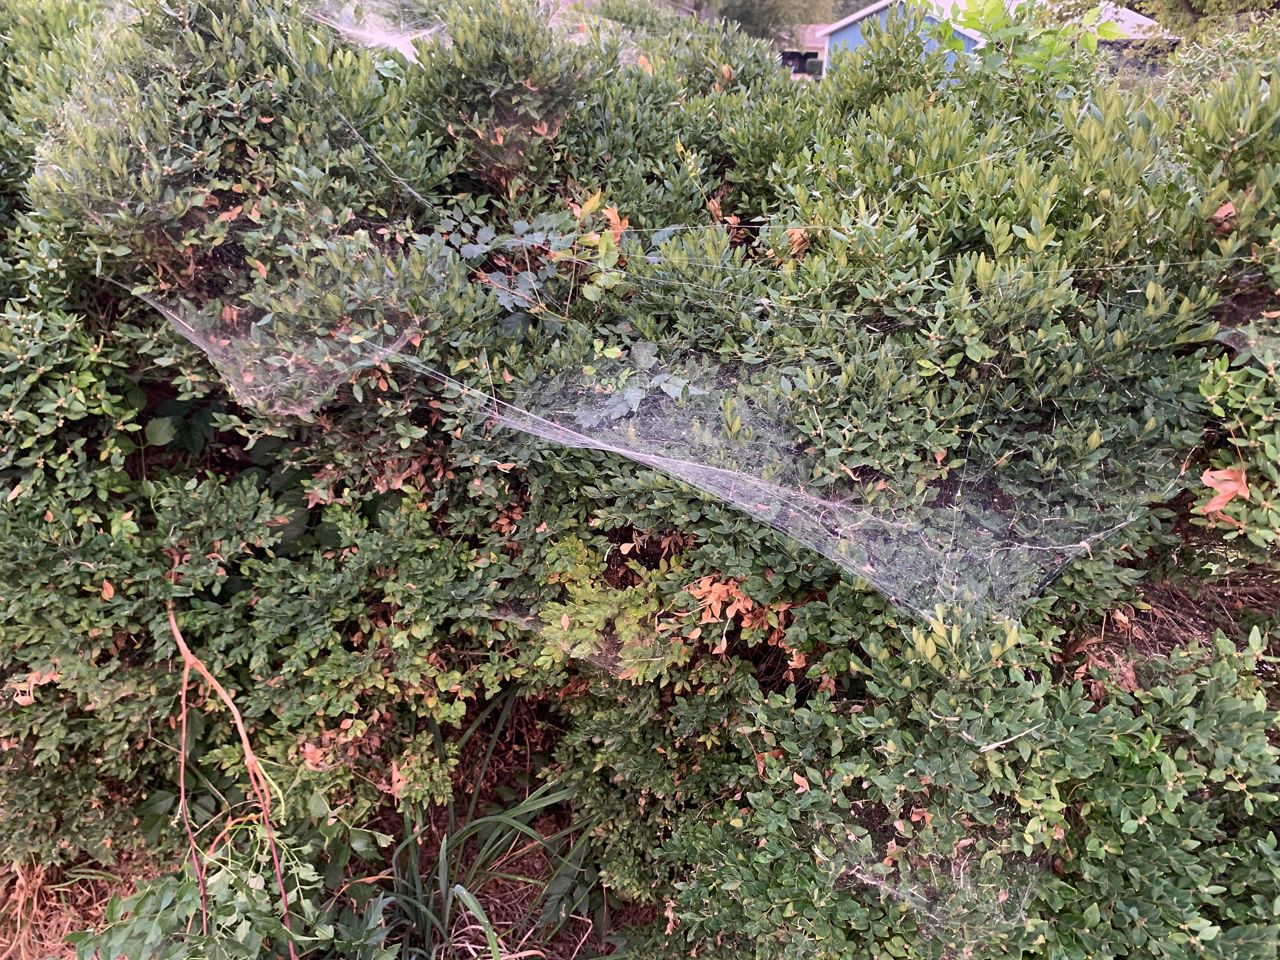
x,y
40,905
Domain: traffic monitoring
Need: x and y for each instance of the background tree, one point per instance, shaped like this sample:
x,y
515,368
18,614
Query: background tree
x,y
770,19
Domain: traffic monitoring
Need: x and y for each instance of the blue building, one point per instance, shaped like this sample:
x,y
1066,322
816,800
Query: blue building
x,y
848,33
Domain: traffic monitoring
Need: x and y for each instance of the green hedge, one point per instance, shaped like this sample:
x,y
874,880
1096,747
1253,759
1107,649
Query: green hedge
x,y
364,575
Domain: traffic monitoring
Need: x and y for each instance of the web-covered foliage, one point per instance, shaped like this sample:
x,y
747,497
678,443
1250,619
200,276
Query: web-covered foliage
x,y
743,359
400,416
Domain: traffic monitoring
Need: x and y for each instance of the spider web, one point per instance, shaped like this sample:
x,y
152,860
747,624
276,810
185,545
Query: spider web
x,y
710,365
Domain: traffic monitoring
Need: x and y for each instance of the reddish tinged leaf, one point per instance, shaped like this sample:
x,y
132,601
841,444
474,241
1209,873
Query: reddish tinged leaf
x,y
802,785
108,591
1229,483
314,757
1224,218
617,224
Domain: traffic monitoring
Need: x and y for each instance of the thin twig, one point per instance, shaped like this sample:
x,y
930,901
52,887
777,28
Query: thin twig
x,y
192,846
1007,740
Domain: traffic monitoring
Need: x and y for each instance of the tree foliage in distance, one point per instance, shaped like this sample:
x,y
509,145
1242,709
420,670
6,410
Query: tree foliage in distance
x,y
1211,19
769,19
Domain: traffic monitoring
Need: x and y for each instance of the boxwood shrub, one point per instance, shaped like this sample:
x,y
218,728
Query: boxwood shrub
x,y
824,777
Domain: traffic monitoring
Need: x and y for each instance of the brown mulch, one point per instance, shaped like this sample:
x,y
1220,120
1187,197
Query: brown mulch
x,y
1172,616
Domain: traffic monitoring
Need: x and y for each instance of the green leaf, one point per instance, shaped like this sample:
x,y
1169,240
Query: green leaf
x,y
160,431
1110,30
318,805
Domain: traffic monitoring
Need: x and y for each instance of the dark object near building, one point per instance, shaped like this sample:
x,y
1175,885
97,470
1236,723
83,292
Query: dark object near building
x,y
800,61
802,51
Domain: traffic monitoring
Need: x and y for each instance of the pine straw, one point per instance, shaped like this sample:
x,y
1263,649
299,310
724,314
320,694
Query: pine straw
x,y
40,905
512,908
1172,616
512,905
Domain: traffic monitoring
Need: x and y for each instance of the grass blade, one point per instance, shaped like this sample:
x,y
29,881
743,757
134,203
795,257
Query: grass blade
x,y
477,911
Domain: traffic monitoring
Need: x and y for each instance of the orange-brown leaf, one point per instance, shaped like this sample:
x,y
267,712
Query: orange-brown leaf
x,y
1229,484
617,224
399,782
799,241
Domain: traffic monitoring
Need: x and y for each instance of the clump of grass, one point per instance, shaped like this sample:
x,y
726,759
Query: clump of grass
x,y
499,885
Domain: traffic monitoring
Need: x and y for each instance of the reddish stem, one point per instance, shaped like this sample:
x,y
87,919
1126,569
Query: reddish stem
x,y
256,779
182,804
